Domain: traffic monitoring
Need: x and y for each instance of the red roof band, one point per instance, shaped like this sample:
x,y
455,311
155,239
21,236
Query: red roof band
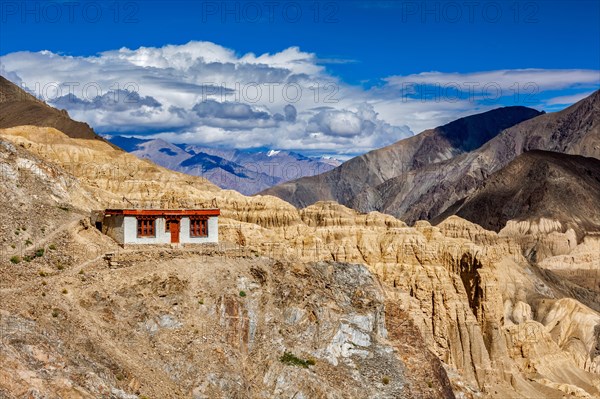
x,y
163,212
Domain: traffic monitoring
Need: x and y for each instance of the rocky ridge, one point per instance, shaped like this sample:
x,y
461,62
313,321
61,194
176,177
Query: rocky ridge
x,y
471,293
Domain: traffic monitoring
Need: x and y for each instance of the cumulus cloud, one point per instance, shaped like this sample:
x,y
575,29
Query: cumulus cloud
x,y
336,123
204,93
228,110
361,126
232,115
290,113
116,101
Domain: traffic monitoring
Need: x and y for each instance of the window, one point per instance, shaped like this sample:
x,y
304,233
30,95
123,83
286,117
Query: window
x,y
198,226
145,226
167,225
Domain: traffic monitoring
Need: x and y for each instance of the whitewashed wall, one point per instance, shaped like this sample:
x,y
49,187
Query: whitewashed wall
x,y
164,237
161,236
213,232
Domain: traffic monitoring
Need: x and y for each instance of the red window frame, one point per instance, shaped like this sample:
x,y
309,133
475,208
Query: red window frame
x,y
146,226
198,226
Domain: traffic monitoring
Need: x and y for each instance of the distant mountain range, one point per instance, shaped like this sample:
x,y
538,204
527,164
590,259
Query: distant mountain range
x,y
245,171
429,175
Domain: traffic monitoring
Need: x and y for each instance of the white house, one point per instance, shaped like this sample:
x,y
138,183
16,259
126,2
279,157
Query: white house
x,y
158,226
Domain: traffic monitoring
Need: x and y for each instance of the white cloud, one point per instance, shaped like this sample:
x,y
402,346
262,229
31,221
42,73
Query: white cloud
x,y
203,93
569,99
528,87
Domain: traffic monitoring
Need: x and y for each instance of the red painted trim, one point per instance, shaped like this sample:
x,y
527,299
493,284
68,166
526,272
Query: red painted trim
x,y
163,212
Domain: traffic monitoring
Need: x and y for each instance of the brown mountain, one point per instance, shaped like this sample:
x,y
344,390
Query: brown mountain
x,y
345,182
536,184
19,108
420,177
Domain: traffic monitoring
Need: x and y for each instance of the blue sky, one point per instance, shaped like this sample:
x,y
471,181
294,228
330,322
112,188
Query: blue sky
x,y
382,55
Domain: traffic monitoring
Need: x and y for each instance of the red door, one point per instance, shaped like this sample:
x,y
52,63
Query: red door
x,y
174,227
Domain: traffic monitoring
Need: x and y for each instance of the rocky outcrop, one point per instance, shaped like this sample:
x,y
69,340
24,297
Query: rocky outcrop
x,y
477,302
180,330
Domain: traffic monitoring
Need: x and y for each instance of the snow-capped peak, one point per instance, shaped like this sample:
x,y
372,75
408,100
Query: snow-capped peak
x,y
272,152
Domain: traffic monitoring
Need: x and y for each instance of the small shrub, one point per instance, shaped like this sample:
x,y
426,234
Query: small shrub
x,y
39,252
55,313
27,258
242,293
44,282
64,291
13,246
60,266
81,271
52,247
64,208
24,228
17,232
430,384
28,242
385,380
201,302
42,273
15,259
293,360
43,294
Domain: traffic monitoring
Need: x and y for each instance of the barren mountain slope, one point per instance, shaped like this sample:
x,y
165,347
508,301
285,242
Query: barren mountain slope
x,y
535,185
427,192
343,183
178,323
37,197
580,264
429,273
413,190
18,108
174,324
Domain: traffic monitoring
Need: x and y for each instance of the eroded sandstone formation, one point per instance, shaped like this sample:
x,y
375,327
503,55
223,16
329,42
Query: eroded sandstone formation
x,y
503,323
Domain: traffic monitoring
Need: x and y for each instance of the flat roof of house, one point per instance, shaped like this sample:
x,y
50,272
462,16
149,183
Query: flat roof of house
x,y
164,212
